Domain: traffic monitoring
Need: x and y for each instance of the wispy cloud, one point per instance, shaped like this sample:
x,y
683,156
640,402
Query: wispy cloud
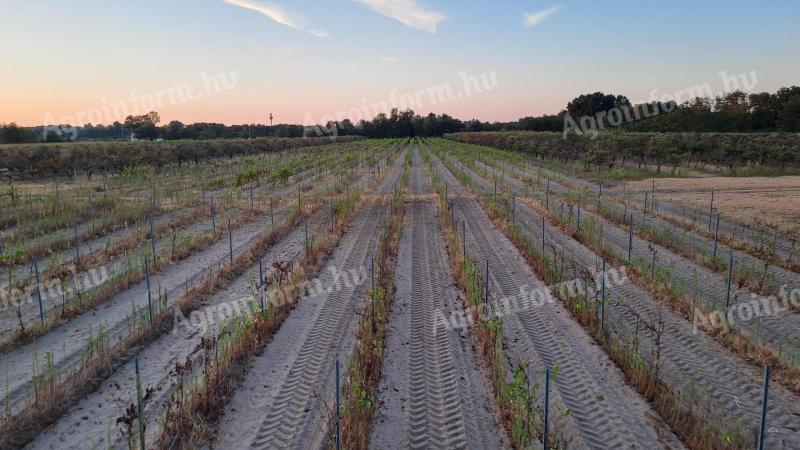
x,y
278,14
533,19
407,12
389,59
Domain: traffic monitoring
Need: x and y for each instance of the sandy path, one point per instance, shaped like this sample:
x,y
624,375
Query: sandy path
x,y
287,394
605,411
694,363
432,394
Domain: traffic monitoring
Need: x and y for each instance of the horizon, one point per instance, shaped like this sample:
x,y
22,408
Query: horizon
x,y
306,61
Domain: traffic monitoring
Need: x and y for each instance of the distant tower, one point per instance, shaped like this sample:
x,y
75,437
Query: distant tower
x,y
270,119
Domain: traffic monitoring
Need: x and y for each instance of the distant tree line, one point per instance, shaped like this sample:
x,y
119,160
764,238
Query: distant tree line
x,y
734,112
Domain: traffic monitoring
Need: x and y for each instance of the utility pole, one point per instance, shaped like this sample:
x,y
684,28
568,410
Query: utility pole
x,y
270,119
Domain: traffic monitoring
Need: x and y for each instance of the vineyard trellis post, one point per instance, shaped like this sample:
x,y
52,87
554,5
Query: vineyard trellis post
x,y
630,239
38,290
644,211
764,401
77,246
261,282
486,291
153,240
711,211
230,239
213,216
372,291
716,236
305,242
730,282
338,410
603,298
543,254
546,408
149,291
139,404
547,195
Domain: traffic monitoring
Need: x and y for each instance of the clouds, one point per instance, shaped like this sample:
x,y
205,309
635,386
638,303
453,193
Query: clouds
x,y
533,19
278,14
407,12
389,59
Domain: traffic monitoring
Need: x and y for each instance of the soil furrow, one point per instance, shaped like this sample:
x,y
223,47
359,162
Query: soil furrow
x,y
433,393
707,374
604,411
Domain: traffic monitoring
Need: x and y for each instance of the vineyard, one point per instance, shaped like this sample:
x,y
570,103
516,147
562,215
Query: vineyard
x,y
621,155
488,290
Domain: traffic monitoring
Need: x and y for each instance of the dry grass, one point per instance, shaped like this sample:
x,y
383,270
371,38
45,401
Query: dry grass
x,y
769,201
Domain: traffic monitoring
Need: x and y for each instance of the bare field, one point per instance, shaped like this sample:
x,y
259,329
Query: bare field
x,y
772,201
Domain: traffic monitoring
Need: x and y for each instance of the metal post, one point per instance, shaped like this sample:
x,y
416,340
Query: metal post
x,y
213,217
486,291
261,281
546,407
271,214
767,375
77,246
140,405
716,235
711,211
149,291
38,290
630,240
153,240
230,238
547,196
578,222
603,298
730,281
338,410
543,254
306,241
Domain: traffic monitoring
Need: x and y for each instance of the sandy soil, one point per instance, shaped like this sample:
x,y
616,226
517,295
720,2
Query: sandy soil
x,y
693,362
432,393
287,394
605,412
773,201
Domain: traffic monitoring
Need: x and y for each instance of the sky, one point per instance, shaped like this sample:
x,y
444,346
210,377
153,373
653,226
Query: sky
x,y
309,61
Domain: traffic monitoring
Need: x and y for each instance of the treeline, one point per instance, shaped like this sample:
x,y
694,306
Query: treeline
x,y
175,130
733,112
35,160
607,149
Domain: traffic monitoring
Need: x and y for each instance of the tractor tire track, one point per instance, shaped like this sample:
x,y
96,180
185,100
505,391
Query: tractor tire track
x,y
285,398
433,393
704,372
604,411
